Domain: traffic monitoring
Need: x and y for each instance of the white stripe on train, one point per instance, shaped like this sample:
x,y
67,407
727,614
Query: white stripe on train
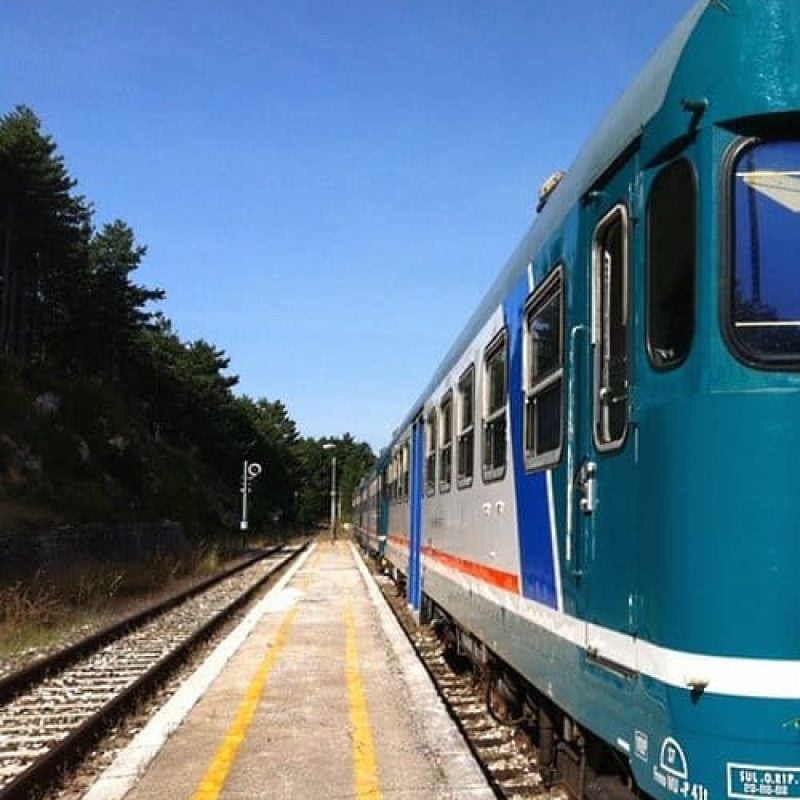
x,y
723,675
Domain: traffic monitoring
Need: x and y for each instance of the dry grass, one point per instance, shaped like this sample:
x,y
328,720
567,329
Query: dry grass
x,y
29,604
46,610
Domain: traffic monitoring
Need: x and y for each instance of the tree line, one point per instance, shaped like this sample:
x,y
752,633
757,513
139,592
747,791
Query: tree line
x,y
147,423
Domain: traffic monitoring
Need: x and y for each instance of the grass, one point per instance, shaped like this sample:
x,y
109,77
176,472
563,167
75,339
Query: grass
x,y
39,612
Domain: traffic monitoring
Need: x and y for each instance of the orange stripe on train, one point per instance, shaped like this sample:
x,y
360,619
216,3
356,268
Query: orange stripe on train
x,y
494,577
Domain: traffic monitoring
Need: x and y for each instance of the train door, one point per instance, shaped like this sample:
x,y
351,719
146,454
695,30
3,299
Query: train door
x,y
416,493
382,511
603,446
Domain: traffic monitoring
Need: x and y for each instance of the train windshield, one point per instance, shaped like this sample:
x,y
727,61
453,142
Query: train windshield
x,y
765,290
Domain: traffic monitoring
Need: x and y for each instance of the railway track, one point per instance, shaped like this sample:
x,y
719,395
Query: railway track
x,y
504,751
53,710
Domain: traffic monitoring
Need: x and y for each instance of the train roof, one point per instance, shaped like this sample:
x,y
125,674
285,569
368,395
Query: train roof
x,y
619,129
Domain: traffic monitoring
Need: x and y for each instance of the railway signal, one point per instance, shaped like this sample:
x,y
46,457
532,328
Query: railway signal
x,y
250,471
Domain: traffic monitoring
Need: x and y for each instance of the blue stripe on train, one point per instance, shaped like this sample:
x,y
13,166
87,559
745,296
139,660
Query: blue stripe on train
x,y
537,564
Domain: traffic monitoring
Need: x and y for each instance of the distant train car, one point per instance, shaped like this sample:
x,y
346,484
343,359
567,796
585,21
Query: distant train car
x,y
371,510
598,488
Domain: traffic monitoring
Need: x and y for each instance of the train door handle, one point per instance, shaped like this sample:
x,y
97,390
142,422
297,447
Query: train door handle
x,y
587,486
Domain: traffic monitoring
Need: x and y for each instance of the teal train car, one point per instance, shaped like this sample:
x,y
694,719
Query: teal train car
x,y
596,491
371,507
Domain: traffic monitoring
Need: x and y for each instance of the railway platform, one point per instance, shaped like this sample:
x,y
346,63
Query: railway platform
x,y
320,696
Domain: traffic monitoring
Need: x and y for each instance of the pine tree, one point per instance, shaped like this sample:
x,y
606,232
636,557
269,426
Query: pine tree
x,y
44,273
117,305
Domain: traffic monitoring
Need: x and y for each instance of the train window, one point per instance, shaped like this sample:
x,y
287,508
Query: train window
x,y
398,484
764,294
430,453
466,429
610,330
446,451
398,476
405,467
671,260
544,373
494,415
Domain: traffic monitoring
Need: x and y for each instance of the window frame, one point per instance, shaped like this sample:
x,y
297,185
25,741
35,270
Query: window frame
x,y
446,445
395,474
398,476
552,287
727,229
598,366
405,470
655,361
464,481
431,451
499,343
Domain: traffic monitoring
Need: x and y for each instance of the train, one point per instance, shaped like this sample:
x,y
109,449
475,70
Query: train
x,y
595,496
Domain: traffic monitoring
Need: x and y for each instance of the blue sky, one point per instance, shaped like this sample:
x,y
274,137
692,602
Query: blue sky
x,y
326,188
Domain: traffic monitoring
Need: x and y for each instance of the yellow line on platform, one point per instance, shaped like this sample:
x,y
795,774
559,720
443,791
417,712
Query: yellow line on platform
x,y
365,763
217,773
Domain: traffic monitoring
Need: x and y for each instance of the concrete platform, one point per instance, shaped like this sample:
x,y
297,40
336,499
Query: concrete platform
x,y
322,697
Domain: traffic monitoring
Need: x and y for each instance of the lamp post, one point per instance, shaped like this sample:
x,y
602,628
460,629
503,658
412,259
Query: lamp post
x,y
332,446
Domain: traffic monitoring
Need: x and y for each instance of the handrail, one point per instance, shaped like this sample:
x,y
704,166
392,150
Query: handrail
x,y
571,549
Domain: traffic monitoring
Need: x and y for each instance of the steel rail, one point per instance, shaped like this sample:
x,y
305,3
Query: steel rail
x,y
509,770
45,769
24,678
